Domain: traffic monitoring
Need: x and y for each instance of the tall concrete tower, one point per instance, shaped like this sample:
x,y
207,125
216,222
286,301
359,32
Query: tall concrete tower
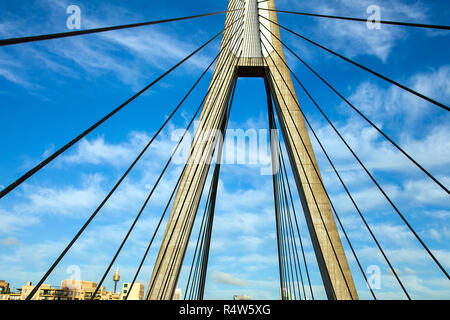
x,y
116,279
250,50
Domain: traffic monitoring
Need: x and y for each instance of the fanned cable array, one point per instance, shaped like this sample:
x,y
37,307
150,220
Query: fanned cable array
x,y
322,112
52,157
284,112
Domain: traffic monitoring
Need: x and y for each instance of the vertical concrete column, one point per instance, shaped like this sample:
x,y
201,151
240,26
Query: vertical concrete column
x,y
173,247
338,284
330,254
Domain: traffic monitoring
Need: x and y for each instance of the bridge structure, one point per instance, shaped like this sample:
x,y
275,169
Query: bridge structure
x,y
252,46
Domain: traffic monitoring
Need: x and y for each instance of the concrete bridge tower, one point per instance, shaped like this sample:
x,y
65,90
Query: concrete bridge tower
x,y
253,51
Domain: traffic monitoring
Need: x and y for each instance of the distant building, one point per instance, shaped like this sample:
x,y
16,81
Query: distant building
x,y
10,295
4,287
84,290
45,292
242,297
4,290
71,290
137,291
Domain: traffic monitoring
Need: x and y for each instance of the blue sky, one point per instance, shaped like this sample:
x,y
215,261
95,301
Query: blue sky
x,y
51,91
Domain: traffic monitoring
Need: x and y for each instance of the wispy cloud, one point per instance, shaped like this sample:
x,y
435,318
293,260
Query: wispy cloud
x,y
354,38
98,151
132,56
391,102
68,200
225,278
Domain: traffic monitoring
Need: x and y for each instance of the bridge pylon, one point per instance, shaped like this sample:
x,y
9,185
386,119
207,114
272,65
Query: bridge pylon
x,y
250,50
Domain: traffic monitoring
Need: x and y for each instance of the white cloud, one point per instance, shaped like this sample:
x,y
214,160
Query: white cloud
x,y
70,201
387,103
364,140
354,38
425,141
398,236
14,221
439,233
98,151
439,214
367,198
156,48
12,76
412,256
225,278
426,191
132,56
80,201
36,255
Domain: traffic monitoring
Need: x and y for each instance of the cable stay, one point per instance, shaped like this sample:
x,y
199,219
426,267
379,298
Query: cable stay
x,y
363,67
274,148
273,126
373,179
309,184
141,264
212,203
338,218
289,240
289,249
194,199
293,268
107,197
361,114
280,243
171,197
298,230
56,154
195,288
195,195
146,202
396,23
14,41
161,175
330,200
285,234
319,211
201,254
